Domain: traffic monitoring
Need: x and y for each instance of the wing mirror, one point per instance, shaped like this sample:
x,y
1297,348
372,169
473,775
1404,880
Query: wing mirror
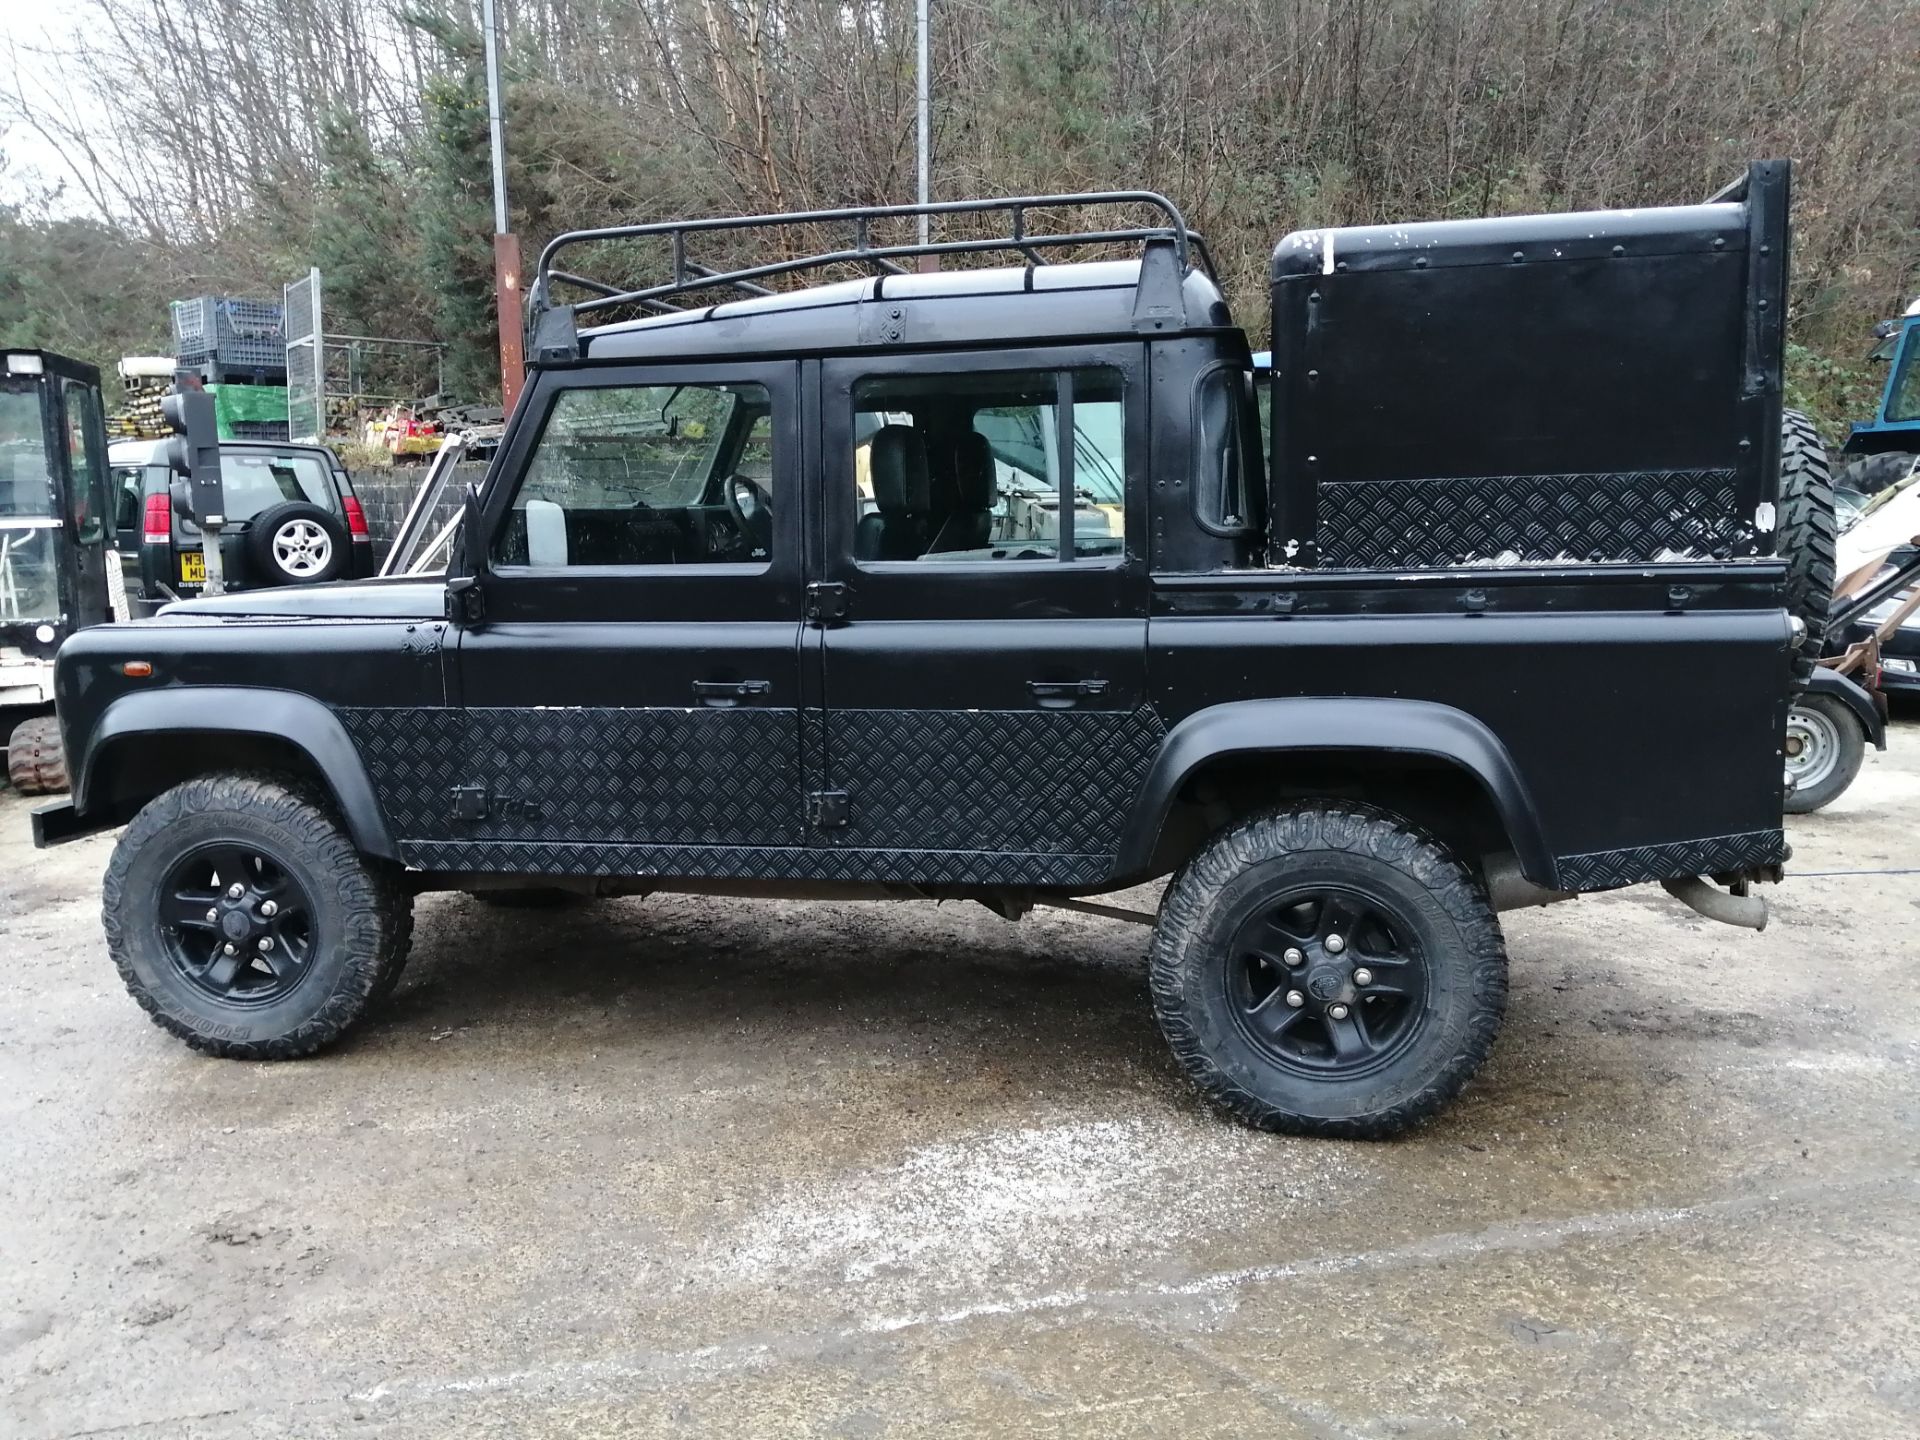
x,y
466,602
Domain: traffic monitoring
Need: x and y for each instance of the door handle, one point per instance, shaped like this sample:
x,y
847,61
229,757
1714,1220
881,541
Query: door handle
x,y
1059,694
729,692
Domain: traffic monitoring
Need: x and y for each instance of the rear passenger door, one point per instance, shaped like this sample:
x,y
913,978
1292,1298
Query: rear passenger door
x,y
632,699
978,649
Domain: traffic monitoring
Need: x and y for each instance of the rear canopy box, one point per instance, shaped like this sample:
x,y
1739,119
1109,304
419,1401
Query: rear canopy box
x,y
1600,386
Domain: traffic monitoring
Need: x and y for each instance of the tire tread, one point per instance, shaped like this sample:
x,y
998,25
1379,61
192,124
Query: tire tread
x,y
1341,825
378,923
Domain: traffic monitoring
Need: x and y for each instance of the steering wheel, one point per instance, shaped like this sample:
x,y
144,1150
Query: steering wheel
x,y
751,510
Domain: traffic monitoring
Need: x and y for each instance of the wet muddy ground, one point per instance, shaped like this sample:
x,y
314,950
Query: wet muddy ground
x,y
690,1166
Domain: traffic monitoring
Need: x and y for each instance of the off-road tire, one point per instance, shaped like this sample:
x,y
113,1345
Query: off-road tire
x,y
1851,739
1870,474
363,914
1349,845
538,897
36,761
1808,535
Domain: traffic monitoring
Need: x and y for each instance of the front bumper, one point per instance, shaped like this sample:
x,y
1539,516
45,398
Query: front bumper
x,y
58,822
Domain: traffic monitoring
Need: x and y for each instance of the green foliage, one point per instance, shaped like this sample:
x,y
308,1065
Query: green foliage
x,y
1833,392
80,288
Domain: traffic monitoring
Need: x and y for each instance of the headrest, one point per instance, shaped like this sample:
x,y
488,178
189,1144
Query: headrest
x,y
897,464
974,476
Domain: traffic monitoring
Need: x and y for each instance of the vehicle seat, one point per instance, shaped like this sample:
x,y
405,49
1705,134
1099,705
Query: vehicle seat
x,y
897,465
970,525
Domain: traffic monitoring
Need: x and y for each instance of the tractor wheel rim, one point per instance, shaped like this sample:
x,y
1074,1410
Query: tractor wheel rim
x,y
1813,747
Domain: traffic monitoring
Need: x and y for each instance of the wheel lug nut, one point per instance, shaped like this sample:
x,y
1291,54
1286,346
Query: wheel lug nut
x,y
269,909
266,942
212,915
1335,944
1338,1012
1296,999
229,948
1363,976
236,890
1294,958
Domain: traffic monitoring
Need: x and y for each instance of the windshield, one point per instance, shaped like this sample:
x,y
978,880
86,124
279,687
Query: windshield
x,y
253,481
26,487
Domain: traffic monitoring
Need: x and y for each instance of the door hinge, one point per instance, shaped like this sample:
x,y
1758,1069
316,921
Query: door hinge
x,y
827,809
466,602
826,601
469,802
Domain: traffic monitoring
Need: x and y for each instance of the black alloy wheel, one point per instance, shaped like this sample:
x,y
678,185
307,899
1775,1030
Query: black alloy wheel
x,y
243,920
1328,968
237,924
1327,982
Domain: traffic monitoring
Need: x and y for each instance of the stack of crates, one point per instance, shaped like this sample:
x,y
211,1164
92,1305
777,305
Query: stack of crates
x,y
231,340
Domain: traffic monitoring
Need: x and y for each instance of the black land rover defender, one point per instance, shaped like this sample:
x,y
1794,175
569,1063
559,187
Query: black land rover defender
x,y
977,584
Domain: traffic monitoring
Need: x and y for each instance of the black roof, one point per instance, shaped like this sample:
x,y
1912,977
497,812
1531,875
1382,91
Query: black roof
x,y
946,308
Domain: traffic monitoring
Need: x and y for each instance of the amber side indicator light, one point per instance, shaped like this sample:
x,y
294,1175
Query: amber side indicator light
x,y
137,669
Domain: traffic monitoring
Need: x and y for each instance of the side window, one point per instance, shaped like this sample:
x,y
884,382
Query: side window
x,y
1227,495
86,466
126,484
647,475
1903,399
977,466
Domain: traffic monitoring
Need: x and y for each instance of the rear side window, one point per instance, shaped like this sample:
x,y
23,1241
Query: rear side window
x,y
978,466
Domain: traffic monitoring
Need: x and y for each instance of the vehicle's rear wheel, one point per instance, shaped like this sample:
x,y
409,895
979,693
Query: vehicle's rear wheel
x,y
1870,474
1328,969
243,920
36,761
1825,746
1808,535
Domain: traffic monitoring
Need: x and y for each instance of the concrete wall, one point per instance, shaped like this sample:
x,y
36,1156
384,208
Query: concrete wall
x,y
386,493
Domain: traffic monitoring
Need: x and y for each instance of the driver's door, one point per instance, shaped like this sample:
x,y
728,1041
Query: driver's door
x,y
632,695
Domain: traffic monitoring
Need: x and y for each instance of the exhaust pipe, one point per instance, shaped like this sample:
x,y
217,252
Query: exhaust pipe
x,y
1747,911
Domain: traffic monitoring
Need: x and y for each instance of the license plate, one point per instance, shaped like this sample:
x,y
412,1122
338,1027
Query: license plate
x,y
193,568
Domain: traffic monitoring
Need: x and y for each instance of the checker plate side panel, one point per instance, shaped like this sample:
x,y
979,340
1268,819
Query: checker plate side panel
x,y
1637,516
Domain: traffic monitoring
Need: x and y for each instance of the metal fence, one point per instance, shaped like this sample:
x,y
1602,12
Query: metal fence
x,y
306,361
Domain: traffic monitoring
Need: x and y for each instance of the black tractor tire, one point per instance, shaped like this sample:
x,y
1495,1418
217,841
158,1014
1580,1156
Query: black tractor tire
x,y
1835,738
342,921
36,761
1809,533
539,897
1255,986
1870,474
266,566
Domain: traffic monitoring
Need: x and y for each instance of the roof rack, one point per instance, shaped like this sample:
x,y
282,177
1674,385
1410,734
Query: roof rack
x,y
555,336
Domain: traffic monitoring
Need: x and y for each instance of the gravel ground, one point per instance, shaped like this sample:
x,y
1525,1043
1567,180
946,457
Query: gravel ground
x,y
682,1165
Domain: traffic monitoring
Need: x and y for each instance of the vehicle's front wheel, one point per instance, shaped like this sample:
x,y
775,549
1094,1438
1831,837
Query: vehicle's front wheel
x,y
243,920
1328,969
1825,747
